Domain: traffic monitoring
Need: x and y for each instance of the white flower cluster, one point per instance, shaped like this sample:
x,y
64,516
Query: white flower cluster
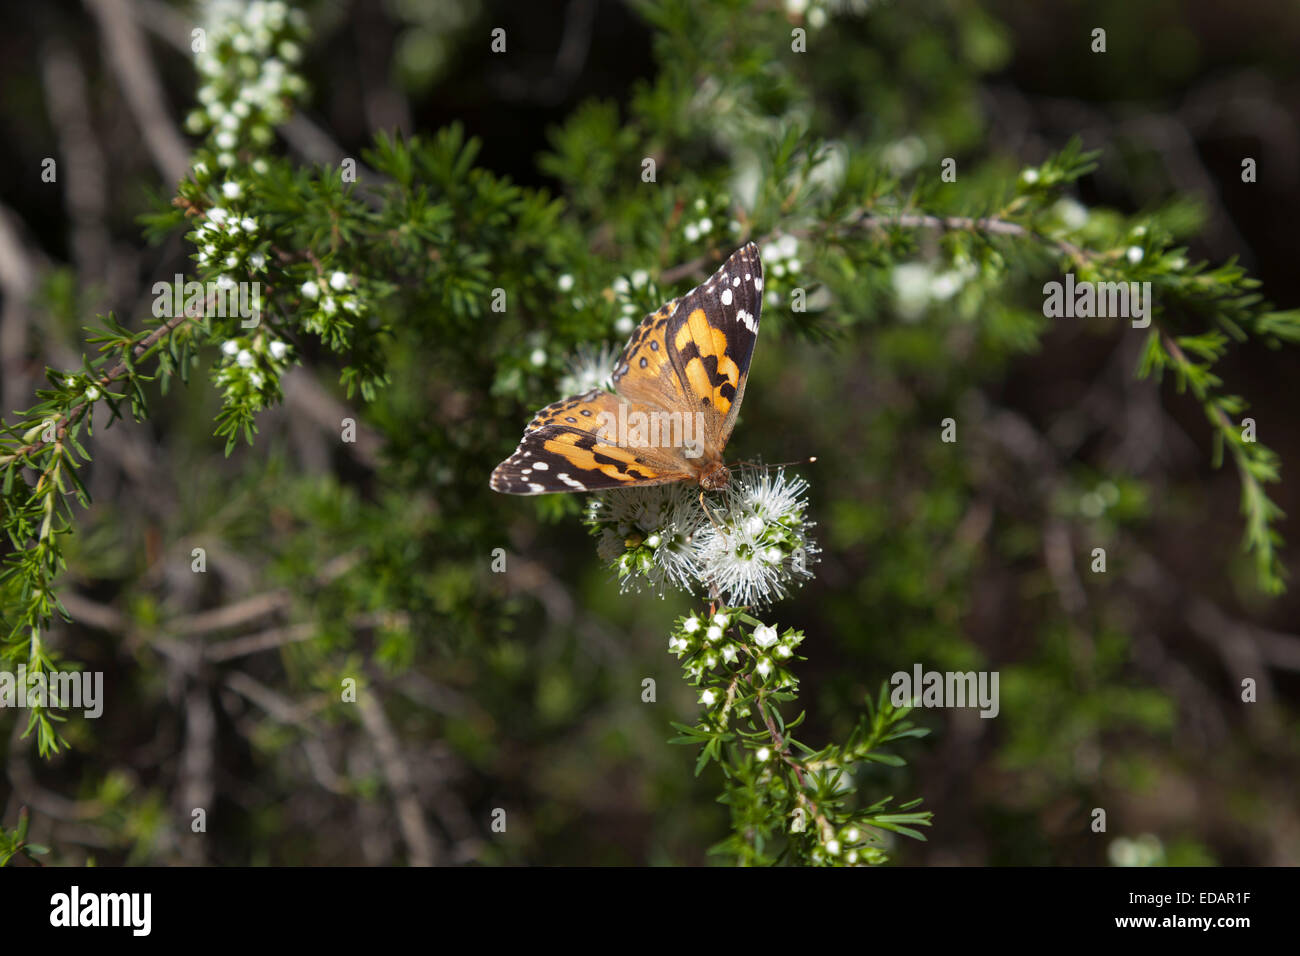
x,y
697,228
324,297
227,239
748,550
251,368
851,846
918,284
715,646
648,535
635,295
590,368
780,261
246,65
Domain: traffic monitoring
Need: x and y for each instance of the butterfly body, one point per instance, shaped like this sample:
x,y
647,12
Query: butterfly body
x,y
678,385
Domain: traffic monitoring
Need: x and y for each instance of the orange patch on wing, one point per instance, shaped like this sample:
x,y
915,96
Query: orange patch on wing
x,y
710,342
610,460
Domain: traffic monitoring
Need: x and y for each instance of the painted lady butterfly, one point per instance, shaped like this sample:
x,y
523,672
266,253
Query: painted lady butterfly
x,y
677,391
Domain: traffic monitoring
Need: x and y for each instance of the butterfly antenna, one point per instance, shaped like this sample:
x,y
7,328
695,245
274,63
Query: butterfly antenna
x,y
776,464
717,527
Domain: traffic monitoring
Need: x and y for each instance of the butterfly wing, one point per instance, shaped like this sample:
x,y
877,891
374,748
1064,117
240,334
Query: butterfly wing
x,y
693,355
571,446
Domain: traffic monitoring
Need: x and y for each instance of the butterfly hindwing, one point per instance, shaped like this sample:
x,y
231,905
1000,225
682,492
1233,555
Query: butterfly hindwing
x,y
572,445
562,458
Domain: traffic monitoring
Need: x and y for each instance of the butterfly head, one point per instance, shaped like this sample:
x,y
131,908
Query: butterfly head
x,y
715,476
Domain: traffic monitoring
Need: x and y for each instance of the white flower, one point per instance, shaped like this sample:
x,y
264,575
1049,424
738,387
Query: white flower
x,y
249,224
217,214
670,512
714,633
590,369
231,190
763,511
692,232
639,278
339,281
564,283
92,394
255,379
1029,175
257,260
1135,254
911,281
762,755
691,624
706,226
764,667
904,155
1073,214
945,285
759,549
310,289
278,349
230,346
226,140
622,286
833,847
765,635
722,619
729,654
244,359
538,357
624,325
708,698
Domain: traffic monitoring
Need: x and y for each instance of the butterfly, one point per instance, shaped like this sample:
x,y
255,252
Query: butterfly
x,y
678,385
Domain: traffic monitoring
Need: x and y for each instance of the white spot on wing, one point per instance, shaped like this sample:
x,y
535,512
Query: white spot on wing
x,y
726,297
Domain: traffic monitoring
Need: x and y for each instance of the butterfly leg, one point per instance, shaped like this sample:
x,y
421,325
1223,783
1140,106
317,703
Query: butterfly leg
x,y
717,527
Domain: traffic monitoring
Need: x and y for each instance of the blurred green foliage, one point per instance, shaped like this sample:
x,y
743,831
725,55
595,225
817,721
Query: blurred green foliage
x,y
520,691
